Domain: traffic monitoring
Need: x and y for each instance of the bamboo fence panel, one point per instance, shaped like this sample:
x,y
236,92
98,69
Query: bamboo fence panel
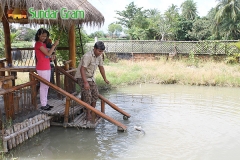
x,y
20,132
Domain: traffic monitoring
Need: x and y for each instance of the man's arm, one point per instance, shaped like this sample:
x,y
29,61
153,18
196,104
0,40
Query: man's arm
x,y
84,78
102,71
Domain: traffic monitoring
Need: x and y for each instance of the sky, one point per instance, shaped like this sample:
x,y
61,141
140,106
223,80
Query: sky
x,y
108,8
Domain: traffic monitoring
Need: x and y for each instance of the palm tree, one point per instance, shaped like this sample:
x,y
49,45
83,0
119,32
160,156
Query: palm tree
x,y
172,13
227,9
227,19
189,9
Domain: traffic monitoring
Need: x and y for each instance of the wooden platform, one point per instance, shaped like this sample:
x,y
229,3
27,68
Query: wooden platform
x,y
76,115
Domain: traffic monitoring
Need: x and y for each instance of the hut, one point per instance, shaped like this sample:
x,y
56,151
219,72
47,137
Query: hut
x,y
27,12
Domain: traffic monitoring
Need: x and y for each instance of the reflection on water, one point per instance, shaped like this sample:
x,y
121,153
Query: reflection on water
x,y
181,122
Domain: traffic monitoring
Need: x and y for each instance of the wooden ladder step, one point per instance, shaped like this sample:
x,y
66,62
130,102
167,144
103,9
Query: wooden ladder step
x,y
80,122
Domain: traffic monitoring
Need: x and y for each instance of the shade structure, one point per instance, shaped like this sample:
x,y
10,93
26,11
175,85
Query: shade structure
x,y
92,17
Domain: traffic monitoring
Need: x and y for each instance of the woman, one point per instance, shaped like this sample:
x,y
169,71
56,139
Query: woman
x,y
43,63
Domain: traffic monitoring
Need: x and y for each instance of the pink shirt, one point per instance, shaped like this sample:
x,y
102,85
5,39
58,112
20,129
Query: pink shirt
x,y
43,62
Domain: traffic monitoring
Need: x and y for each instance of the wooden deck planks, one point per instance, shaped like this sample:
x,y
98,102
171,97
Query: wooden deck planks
x,y
59,108
80,122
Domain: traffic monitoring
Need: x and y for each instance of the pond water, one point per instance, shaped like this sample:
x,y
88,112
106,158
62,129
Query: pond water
x,y
180,123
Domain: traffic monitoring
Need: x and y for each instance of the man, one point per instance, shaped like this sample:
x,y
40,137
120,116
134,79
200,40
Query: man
x,y
85,75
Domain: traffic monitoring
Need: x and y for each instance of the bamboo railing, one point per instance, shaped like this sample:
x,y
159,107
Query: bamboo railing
x,y
19,100
103,99
69,95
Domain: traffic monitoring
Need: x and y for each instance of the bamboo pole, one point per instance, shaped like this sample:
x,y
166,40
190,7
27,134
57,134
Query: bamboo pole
x,y
72,46
6,101
57,78
34,126
93,118
9,141
30,132
66,82
40,125
45,123
11,106
33,92
66,114
17,136
25,133
37,127
5,149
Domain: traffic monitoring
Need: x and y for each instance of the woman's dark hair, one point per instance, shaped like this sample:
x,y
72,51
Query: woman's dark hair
x,y
99,45
39,32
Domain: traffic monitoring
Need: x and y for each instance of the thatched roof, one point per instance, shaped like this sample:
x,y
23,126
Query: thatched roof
x,y
92,16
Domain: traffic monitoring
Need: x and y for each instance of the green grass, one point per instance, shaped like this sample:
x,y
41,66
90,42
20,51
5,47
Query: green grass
x,y
122,73
206,73
22,44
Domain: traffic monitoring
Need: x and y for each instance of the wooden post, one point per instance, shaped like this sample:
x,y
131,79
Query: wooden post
x,y
57,79
72,46
93,117
6,102
11,105
72,52
66,82
7,39
33,92
114,106
102,106
2,66
66,114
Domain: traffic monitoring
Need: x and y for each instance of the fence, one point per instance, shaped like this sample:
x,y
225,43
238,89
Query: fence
x,y
165,47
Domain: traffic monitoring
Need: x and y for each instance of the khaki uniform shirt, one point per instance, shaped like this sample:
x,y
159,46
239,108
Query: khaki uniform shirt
x,y
91,63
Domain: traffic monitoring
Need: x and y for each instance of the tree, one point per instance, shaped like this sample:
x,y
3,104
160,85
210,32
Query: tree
x,y
128,15
227,9
201,29
153,19
111,29
26,34
114,28
133,19
189,9
183,28
99,34
56,33
227,19
172,18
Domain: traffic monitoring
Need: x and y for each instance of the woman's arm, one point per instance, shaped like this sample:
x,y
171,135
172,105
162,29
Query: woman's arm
x,y
49,52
